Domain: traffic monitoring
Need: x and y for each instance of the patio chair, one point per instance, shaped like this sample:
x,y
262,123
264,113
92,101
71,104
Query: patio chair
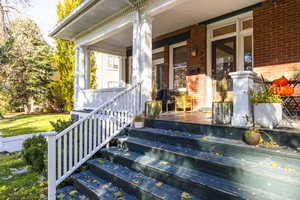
x,y
183,103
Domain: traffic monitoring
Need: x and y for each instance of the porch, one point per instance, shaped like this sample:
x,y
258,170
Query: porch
x,y
188,45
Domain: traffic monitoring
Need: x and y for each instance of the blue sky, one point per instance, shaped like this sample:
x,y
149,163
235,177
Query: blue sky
x,y
43,12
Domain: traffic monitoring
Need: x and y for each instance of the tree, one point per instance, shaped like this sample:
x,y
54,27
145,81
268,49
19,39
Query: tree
x,y
65,59
26,75
7,8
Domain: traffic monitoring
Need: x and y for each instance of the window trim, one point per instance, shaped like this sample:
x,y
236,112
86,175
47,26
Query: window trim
x,y
171,68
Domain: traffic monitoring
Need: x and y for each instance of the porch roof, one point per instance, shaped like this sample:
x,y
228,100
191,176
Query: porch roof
x,y
87,14
91,13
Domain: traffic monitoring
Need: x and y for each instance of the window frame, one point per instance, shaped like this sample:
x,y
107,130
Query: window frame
x,y
171,67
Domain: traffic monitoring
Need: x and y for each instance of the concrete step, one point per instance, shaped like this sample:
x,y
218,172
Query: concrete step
x,y
195,182
70,193
258,175
227,147
283,137
96,188
136,184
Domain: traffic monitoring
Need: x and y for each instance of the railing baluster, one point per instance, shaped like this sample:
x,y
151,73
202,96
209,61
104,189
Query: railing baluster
x,y
99,129
90,135
95,131
81,130
86,130
65,153
59,158
76,145
71,149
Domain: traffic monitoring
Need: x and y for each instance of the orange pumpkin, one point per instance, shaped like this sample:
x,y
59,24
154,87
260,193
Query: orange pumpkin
x,y
282,91
281,81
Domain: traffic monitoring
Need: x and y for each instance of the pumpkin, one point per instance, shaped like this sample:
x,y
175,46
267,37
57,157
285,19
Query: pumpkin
x,y
281,81
282,91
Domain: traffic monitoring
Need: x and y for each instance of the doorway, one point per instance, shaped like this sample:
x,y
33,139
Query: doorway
x,y
223,62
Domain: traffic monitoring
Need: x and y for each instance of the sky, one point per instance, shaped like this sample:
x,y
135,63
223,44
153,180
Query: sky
x,y
43,12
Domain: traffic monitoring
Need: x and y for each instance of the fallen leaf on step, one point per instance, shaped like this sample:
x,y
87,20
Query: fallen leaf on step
x,y
185,196
118,195
73,193
135,181
101,161
61,196
163,162
158,184
274,164
204,138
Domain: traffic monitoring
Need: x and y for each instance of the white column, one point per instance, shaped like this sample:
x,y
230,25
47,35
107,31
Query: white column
x,y
243,83
87,69
136,48
142,53
79,77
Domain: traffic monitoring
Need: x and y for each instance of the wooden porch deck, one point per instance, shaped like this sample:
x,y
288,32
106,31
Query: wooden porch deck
x,y
206,118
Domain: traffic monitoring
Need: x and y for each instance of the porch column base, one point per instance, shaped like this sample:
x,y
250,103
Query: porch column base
x,y
243,82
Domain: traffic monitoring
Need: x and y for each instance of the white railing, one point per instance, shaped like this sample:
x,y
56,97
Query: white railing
x,y
69,149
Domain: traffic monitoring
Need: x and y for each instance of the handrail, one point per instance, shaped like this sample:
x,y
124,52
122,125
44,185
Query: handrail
x,y
69,149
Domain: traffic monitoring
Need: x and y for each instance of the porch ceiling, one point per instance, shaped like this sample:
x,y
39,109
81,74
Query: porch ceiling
x,y
180,16
86,15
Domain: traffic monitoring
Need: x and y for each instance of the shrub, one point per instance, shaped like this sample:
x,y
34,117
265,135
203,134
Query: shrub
x,y
35,152
264,96
60,125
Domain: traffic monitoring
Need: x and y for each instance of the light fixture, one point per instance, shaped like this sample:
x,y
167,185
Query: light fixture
x,y
194,51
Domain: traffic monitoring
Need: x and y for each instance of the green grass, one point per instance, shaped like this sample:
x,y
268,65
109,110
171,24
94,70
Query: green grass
x,y
30,185
26,124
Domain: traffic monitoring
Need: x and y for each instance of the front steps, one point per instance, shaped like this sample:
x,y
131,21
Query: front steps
x,y
172,160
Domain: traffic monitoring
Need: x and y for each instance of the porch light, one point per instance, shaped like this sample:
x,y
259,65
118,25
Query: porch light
x,y
194,51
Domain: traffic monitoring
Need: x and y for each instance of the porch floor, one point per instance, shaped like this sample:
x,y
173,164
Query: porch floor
x,y
188,117
206,118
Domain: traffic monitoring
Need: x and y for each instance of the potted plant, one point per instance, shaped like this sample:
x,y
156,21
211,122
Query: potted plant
x,y
252,136
153,107
267,108
222,110
138,121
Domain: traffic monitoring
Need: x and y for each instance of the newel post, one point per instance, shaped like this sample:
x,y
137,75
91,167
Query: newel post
x,y
243,83
51,167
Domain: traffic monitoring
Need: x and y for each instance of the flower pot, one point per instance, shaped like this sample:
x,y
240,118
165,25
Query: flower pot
x,y
153,109
138,124
252,138
267,115
222,112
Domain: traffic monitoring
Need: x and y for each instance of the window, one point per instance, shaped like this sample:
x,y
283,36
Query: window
x,y
247,24
224,30
113,62
248,57
179,66
180,56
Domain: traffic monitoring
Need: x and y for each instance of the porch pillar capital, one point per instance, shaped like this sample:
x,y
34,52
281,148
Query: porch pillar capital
x,y
243,83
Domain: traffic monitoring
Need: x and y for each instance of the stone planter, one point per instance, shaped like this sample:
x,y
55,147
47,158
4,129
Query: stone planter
x,y
139,125
222,112
267,115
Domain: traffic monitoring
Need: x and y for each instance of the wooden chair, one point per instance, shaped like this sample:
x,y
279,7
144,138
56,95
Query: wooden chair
x,y
183,103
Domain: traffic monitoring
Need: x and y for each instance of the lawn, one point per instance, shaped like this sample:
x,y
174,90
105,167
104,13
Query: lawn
x,y
30,185
25,124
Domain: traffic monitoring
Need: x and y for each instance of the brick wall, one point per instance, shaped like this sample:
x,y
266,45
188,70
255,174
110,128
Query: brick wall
x,y
196,66
277,33
276,30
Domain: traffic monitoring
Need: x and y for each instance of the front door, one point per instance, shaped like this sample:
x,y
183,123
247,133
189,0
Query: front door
x,y
223,62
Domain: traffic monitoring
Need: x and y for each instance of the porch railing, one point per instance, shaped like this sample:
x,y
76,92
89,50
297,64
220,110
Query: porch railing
x,y
69,149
